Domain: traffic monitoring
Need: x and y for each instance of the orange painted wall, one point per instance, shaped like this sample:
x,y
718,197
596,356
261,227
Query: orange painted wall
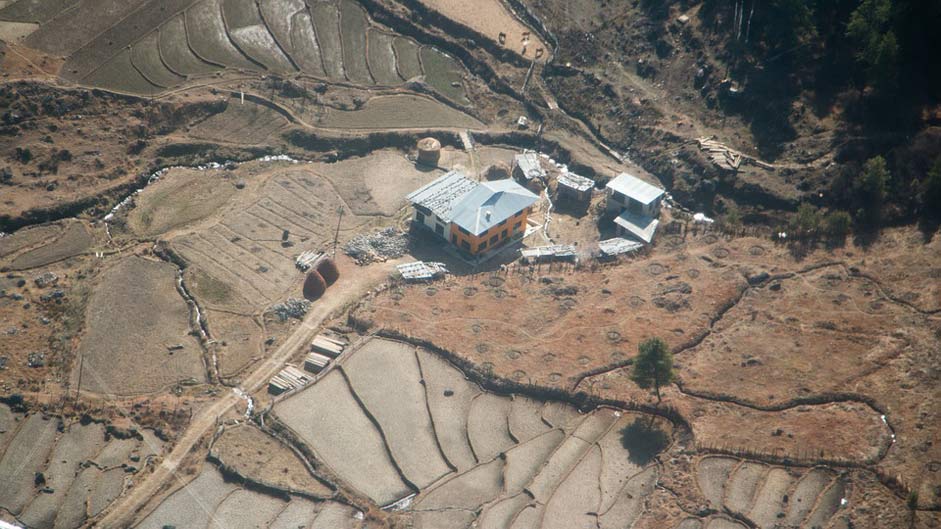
x,y
457,236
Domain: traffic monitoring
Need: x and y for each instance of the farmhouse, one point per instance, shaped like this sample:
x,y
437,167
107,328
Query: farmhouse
x,y
637,204
474,216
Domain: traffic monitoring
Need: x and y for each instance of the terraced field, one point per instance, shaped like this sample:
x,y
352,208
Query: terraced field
x,y
45,245
393,420
768,496
149,46
56,476
243,248
210,502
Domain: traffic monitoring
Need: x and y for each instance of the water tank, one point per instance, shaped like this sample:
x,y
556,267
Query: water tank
x,y
429,151
327,268
314,286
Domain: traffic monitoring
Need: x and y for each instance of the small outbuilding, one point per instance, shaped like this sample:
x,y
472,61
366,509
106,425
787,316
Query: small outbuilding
x,y
528,171
638,226
574,187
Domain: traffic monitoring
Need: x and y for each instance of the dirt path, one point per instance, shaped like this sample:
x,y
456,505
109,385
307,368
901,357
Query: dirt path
x,y
350,287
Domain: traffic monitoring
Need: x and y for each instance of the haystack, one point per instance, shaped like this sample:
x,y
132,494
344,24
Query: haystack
x,y
497,171
314,286
327,268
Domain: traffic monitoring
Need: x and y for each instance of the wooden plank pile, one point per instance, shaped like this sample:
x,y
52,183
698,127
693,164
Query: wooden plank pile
x,y
721,155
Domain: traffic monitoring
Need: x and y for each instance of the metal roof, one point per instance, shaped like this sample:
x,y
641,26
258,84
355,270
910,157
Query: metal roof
x,y
635,188
618,246
441,194
528,162
289,378
421,271
576,182
558,250
639,226
489,204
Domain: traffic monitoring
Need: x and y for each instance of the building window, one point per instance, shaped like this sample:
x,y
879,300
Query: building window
x,y
503,234
516,226
502,222
482,246
439,229
465,245
494,239
453,239
419,216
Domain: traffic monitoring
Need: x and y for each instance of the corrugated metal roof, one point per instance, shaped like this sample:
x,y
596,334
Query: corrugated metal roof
x,y
421,271
489,204
635,188
558,250
315,362
289,378
638,225
618,246
528,162
323,345
576,182
441,194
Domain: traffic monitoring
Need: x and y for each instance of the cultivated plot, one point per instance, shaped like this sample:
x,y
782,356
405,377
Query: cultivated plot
x,y
244,247
138,337
768,496
253,454
210,502
146,48
57,475
393,420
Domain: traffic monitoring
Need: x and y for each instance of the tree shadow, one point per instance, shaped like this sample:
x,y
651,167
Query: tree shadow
x,y
643,440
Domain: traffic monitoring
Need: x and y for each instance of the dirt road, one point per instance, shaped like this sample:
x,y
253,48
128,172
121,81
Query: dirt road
x,y
354,283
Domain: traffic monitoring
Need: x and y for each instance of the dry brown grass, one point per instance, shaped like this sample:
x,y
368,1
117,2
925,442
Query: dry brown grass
x,y
491,18
260,457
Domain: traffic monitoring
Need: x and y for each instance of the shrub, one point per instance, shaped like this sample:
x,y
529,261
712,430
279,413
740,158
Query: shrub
x,y
837,225
931,195
807,220
871,185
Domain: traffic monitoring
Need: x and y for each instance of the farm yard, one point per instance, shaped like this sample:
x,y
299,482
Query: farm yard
x,y
58,475
176,350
